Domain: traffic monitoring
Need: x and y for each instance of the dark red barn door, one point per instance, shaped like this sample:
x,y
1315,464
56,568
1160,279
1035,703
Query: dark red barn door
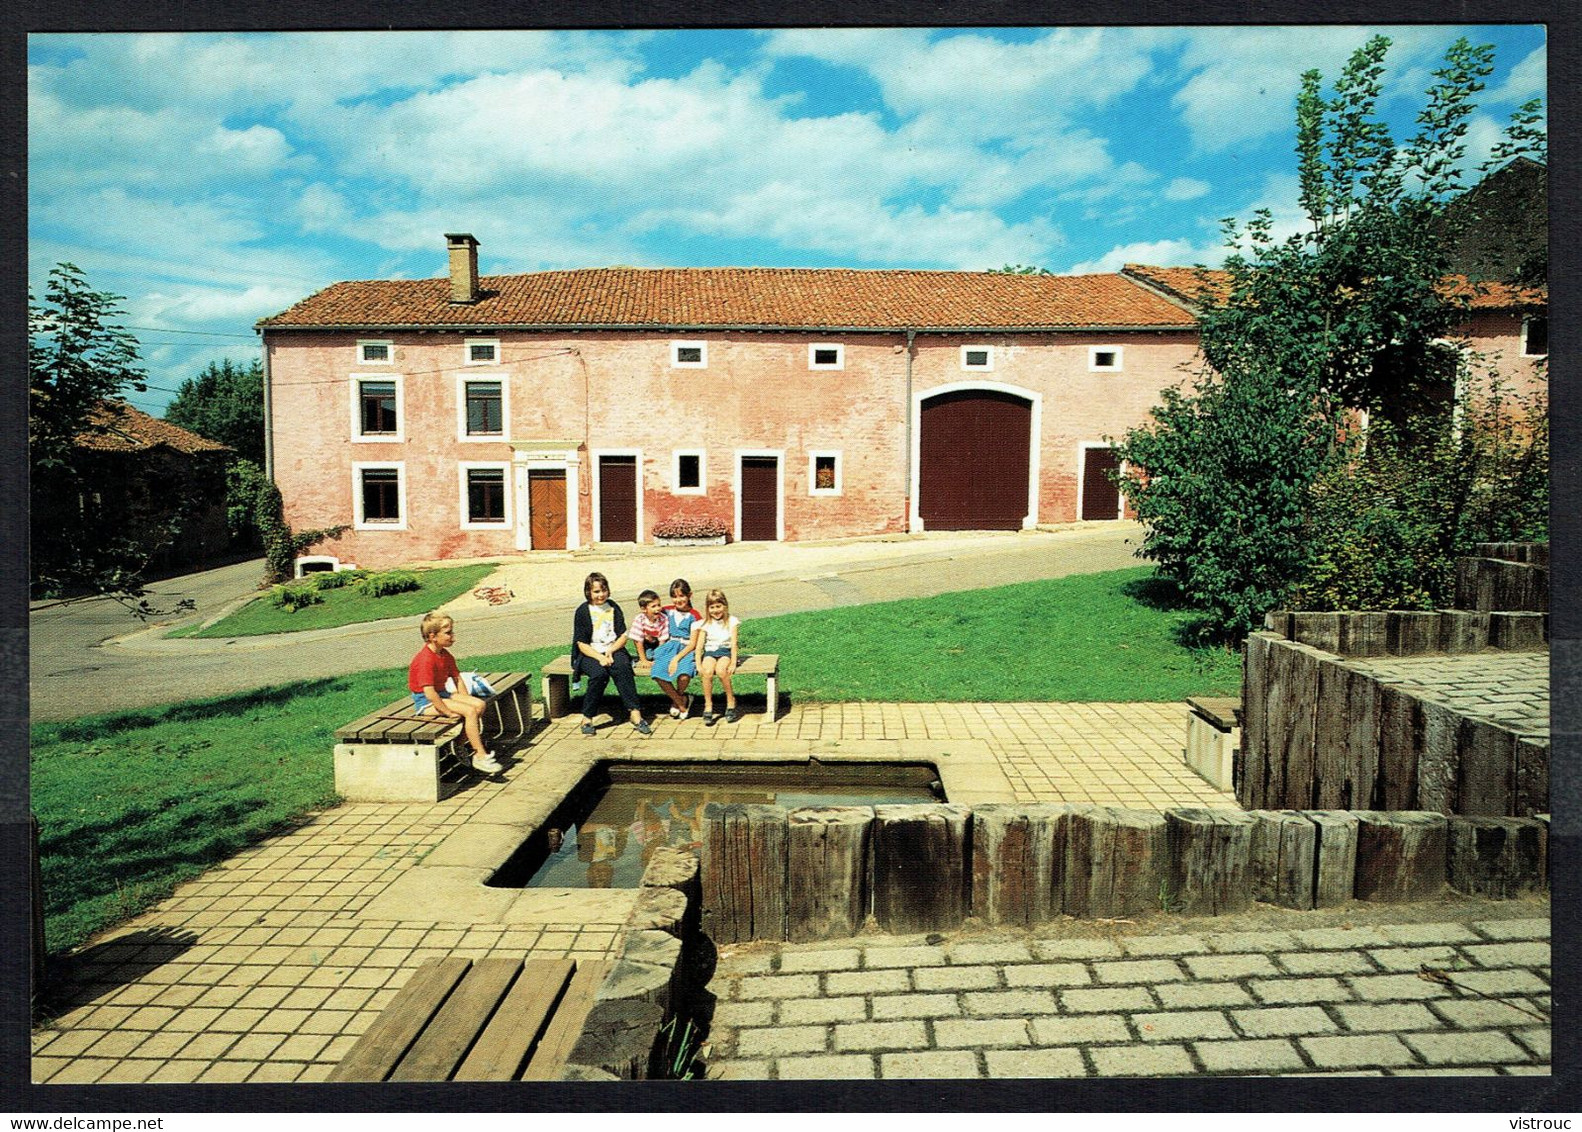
x,y
974,461
1101,499
760,498
617,499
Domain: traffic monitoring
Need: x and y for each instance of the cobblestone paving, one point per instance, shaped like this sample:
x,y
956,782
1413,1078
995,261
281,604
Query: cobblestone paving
x,y
1510,688
1346,998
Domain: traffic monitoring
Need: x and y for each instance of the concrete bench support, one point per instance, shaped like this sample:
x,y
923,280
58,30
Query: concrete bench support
x,y
1213,738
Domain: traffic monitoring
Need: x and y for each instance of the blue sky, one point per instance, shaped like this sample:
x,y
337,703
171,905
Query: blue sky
x,y
213,179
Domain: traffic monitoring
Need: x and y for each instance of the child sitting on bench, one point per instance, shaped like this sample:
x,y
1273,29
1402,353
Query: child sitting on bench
x,y
426,680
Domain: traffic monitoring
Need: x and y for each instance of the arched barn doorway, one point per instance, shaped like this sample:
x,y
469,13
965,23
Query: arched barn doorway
x,y
974,460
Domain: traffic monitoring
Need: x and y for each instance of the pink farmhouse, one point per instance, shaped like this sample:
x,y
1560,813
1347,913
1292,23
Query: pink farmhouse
x,y
474,417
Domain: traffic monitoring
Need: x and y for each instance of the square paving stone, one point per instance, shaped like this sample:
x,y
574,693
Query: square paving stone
x,y
1106,999
979,1033
1139,971
1509,954
1487,1013
1229,966
826,1067
1300,990
1178,995
1147,1061
794,962
1076,949
929,1065
1359,1051
967,954
1501,982
1411,958
1266,1055
1164,945
886,1006
1035,1063
1383,988
1326,962
795,1011
1181,1025
1480,1047
1390,1016
1513,929
778,986
1263,942
867,982
956,978
1429,933
1020,1002
876,957
1048,975
1283,1021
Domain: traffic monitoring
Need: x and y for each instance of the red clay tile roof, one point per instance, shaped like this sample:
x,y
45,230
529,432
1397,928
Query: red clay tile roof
x,y
121,428
718,297
1192,286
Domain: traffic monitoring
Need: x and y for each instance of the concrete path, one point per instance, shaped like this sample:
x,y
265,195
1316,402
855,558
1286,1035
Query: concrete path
x,y
95,657
1329,992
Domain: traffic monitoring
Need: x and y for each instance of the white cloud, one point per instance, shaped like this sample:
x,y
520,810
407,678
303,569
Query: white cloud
x,y
1186,188
1529,78
1159,253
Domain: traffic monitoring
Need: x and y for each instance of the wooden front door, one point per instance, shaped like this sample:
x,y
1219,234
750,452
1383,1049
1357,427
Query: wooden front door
x,y
1101,499
760,498
546,504
617,498
974,460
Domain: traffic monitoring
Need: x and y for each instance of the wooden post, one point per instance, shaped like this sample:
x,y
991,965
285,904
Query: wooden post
x,y
920,873
1210,855
1532,776
1496,857
1319,630
1438,771
1336,857
1487,769
1400,748
1463,630
827,859
1256,661
1412,632
1018,856
1292,710
744,872
1518,632
1364,634
1283,860
1117,862
1401,855
1345,737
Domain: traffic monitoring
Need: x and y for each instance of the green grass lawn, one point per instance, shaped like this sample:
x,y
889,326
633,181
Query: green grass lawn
x,y
130,804
345,606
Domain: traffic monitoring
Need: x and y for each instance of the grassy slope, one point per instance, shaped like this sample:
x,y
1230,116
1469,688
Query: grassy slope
x,y
345,606
131,804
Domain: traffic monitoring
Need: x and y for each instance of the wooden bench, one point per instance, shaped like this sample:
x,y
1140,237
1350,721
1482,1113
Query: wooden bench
x,y
493,1019
1213,738
556,676
396,755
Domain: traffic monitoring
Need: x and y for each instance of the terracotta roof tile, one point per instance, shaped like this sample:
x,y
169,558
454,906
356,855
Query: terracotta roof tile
x,y
744,297
120,428
1191,285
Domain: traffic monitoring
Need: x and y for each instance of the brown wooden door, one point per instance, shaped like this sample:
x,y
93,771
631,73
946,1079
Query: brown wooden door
x,y
973,461
760,498
546,504
617,498
1101,499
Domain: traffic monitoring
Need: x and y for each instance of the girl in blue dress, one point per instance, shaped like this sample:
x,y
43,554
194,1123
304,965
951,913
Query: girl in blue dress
x,y
675,660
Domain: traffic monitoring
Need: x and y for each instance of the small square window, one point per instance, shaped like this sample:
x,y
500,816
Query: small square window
x,y
485,409
373,353
689,355
381,490
826,356
824,473
1102,358
482,351
688,473
1535,336
977,357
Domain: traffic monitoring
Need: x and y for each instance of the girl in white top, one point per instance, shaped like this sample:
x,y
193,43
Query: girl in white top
x,y
716,652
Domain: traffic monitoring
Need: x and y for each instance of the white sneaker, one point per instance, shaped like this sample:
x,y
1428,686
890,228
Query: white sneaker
x,y
486,764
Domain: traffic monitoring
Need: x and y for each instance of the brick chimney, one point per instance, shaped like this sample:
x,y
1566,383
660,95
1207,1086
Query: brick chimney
x,y
463,267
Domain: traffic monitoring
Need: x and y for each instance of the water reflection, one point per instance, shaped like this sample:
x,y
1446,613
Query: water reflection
x,y
612,846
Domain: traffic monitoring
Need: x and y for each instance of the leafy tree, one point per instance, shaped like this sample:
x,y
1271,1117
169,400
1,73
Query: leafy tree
x,y
225,403
78,358
1018,269
1298,333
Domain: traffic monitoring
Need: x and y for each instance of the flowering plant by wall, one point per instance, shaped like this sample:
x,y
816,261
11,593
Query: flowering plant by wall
x,y
689,526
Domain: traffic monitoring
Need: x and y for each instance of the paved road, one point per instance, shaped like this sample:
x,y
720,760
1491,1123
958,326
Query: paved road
x,y
95,657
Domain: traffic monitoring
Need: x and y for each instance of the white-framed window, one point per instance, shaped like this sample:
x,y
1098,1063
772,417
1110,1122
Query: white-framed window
x,y
1535,336
483,407
1104,359
378,414
688,472
826,355
485,495
481,351
379,496
375,353
689,355
823,472
977,357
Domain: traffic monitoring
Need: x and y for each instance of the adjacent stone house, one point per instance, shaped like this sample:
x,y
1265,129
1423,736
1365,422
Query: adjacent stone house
x,y
477,416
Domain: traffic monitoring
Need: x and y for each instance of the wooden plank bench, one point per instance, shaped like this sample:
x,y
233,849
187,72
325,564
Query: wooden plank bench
x,y
396,755
1213,738
493,1019
556,678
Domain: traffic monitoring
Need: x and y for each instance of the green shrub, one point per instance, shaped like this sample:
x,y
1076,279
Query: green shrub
x,y
295,595
335,579
387,582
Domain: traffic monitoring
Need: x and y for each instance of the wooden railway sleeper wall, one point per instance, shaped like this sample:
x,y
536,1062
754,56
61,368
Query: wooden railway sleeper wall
x,y
825,872
1318,732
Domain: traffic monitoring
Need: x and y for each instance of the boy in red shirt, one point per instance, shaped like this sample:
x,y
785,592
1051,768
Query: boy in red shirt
x,y
426,678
